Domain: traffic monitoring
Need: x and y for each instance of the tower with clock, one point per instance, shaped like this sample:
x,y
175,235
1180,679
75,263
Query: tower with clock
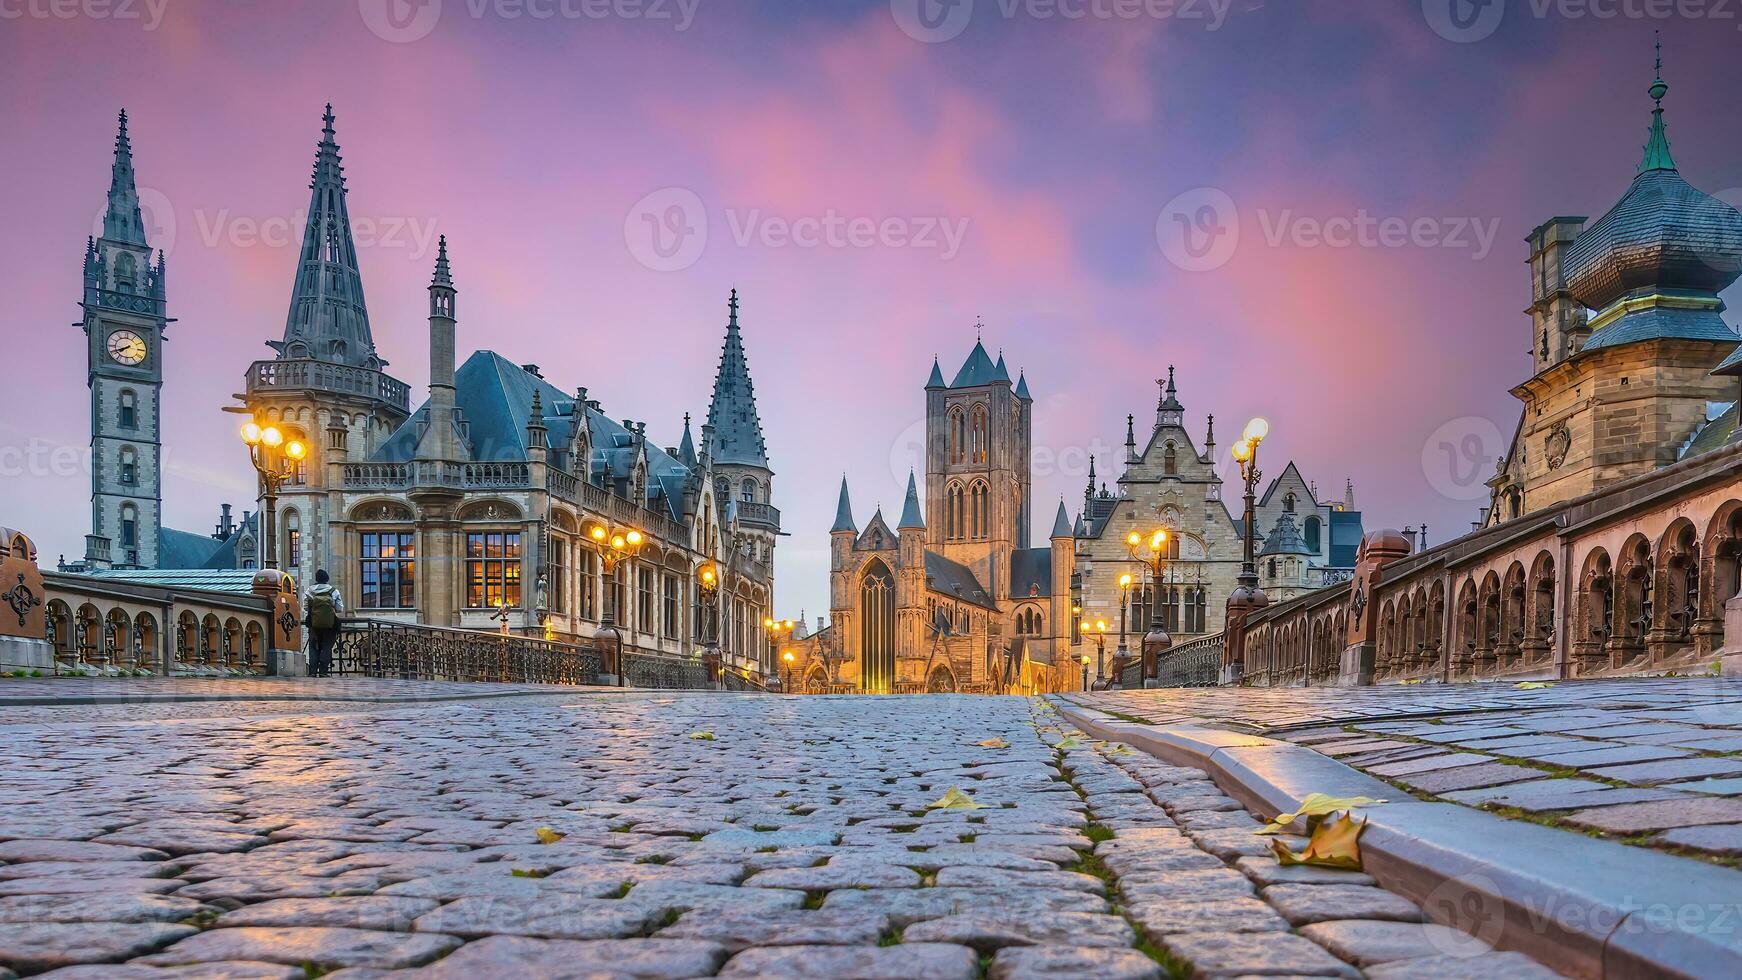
x,y
124,323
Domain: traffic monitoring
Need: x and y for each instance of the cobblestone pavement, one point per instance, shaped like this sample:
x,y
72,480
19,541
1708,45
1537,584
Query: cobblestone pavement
x,y
140,690
700,835
1656,762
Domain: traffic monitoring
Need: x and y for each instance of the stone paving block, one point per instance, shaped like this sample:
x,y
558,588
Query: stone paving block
x,y
1633,818
1470,777
550,916
1559,794
1236,954
1175,915
33,947
901,962
392,913
831,876
263,887
1366,942
1670,770
987,932
1723,839
1000,878
1710,787
1487,966
682,896
86,886
323,946
109,906
1267,871
86,869
1026,962
1184,885
1450,760
773,838
1592,758
499,881
525,958
231,970
904,906
1231,842
798,927
1302,904
65,850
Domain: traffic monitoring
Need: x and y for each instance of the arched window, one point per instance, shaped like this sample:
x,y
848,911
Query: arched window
x,y
129,526
292,540
747,491
954,512
958,435
1288,502
129,409
125,272
877,628
980,523
129,467
1170,461
1311,532
977,436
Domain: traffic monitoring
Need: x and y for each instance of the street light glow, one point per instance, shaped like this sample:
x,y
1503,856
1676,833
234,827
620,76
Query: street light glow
x,y
271,436
251,434
1242,451
1256,430
295,449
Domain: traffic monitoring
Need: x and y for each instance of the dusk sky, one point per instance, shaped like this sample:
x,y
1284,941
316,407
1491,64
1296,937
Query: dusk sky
x,y
1008,164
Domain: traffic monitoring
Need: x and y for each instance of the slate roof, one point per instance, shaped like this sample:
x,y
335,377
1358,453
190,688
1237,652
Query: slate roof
x,y
1284,538
1731,365
732,413
494,396
910,516
843,512
952,578
977,370
1030,572
1715,434
236,580
1661,323
1061,524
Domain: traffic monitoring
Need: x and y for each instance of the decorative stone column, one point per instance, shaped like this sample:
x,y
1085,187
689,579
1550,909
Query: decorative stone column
x,y
1730,655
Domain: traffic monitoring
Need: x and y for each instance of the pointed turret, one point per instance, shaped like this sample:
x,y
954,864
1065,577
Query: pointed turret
x,y
737,428
977,370
1061,524
328,320
1210,439
1657,144
440,439
1168,410
121,220
686,450
937,375
1022,387
999,371
910,515
1130,438
844,513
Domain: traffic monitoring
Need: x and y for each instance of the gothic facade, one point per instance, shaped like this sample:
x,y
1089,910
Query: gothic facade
x,y
477,509
1303,541
957,601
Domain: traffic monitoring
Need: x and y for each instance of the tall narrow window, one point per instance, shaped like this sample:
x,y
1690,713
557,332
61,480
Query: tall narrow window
x,y
129,467
129,526
747,492
129,410
877,628
1170,461
670,607
556,588
586,576
977,435
644,601
492,569
1311,531
387,571
292,540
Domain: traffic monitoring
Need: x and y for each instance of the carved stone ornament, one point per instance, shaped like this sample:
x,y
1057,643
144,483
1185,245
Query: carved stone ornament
x,y
1559,442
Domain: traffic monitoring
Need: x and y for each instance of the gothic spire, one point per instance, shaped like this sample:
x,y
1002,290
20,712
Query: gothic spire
x,y
910,516
844,512
1130,438
1167,407
443,275
732,413
328,319
1061,524
1657,145
122,221
937,375
686,450
1022,387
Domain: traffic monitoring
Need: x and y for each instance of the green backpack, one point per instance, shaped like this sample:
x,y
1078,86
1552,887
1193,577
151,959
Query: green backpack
x,y
322,614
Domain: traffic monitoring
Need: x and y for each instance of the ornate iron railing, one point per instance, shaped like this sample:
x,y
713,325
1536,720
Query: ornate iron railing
x,y
1131,676
673,673
734,681
373,648
1195,663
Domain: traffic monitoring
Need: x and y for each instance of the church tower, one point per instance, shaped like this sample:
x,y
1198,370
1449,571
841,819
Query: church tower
x,y
979,438
742,476
124,323
327,384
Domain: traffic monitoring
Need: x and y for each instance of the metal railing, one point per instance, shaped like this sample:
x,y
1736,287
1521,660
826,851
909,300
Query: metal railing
x,y
764,515
308,374
373,648
1195,663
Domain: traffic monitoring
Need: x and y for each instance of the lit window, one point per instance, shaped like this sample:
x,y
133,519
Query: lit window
x,y
387,571
492,569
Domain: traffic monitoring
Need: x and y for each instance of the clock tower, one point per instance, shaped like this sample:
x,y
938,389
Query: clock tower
x,y
124,325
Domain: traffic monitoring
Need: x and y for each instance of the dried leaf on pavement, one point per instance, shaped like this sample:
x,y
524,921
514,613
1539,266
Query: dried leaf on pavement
x,y
1315,805
955,799
1335,844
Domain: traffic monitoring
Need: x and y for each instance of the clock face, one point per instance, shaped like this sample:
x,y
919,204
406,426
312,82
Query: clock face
x,y
126,347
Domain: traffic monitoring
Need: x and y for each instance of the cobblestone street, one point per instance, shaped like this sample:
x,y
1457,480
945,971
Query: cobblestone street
x,y
654,835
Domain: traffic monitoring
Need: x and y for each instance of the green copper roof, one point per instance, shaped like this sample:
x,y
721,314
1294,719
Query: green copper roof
x,y
844,512
910,516
937,375
1061,525
121,220
1657,145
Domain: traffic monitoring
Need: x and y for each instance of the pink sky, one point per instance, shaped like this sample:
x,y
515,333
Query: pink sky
x,y
1052,146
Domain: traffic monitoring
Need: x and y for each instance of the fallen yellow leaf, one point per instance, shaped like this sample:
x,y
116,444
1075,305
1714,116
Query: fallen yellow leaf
x,y
702,736
1335,844
955,799
1532,685
1119,748
1315,805
1069,742
549,836
994,742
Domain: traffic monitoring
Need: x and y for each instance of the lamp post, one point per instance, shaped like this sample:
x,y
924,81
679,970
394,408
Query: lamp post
x,y
1099,629
779,631
1247,598
615,546
275,457
1085,662
1125,584
787,684
1150,550
708,585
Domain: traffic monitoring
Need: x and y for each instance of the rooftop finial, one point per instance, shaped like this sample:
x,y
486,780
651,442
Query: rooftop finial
x,y
732,306
979,328
1657,155
442,275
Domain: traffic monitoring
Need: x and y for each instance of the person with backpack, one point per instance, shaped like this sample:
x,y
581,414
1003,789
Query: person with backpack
x,y
321,609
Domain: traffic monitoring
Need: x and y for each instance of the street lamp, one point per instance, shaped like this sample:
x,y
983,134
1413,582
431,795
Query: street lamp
x,y
788,657
1150,550
615,546
275,457
1085,662
779,631
1099,629
1247,598
1125,584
